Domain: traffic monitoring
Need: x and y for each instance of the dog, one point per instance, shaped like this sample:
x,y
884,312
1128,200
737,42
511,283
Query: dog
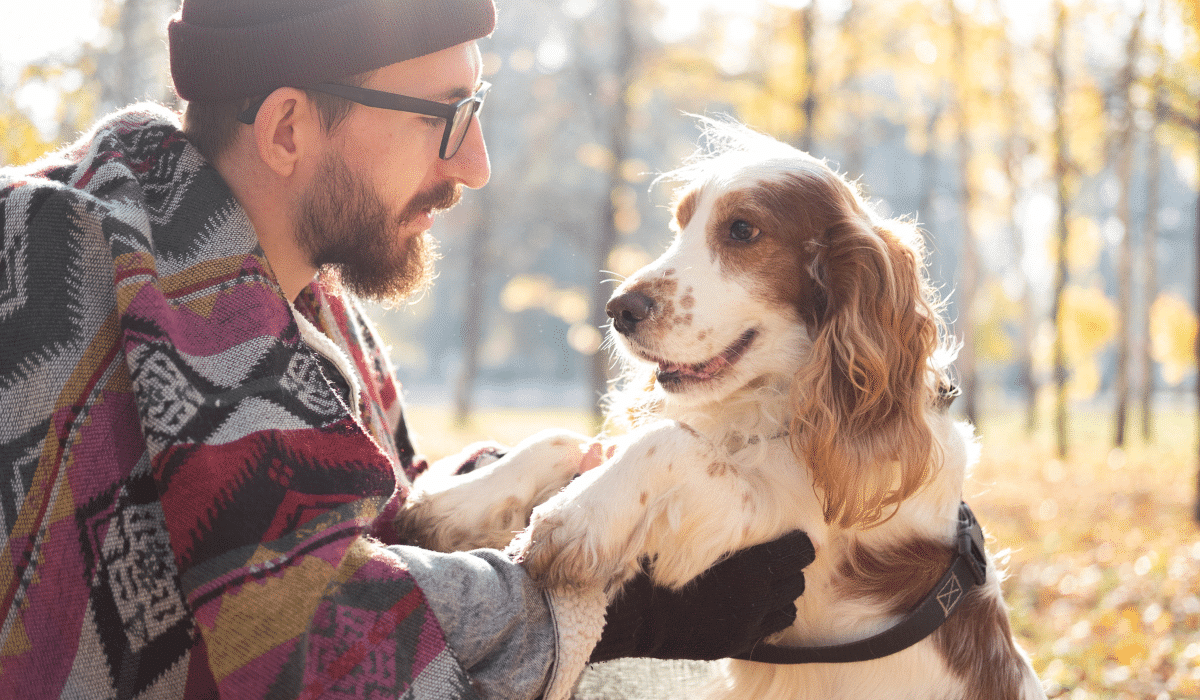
x,y
786,368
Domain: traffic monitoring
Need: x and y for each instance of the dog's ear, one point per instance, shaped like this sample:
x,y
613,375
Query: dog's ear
x,y
860,400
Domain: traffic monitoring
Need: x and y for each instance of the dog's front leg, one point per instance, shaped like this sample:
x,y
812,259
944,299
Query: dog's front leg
x,y
663,489
487,506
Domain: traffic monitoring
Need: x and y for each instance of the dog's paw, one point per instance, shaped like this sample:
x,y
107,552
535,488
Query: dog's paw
x,y
425,521
570,544
559,559
451,508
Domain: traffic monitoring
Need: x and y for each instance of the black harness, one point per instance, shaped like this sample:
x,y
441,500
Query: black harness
x,y
968,569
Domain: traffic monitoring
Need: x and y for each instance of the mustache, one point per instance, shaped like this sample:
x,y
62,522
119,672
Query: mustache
x,y
440,197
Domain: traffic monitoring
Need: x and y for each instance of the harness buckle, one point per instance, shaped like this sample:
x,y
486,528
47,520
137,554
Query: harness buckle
x,y
970,544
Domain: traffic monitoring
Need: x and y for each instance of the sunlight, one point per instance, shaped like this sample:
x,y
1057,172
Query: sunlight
x,y
683,18
45,32
34,31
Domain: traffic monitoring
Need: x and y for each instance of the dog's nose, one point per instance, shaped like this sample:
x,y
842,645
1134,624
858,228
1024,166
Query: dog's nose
x,y
629,309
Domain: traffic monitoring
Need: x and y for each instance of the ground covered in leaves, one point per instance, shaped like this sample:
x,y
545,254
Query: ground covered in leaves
x,y
1104,568
1103,552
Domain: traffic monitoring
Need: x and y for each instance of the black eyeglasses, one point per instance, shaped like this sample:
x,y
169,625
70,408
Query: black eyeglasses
x,y
457,116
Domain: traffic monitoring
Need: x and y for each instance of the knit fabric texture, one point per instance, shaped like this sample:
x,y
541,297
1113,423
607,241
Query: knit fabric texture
x,y
186,490
229,49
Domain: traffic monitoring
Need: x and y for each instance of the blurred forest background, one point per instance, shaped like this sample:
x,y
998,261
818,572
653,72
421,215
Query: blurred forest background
x,y
1050,149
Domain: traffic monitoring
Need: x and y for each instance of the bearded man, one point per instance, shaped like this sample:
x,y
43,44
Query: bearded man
x,y
200,428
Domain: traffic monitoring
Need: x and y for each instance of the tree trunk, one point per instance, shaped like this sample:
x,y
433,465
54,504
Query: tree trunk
x,y
1125,139
852,87
1196,242
1014,152
808,106
969,260
478,264
929,169
1150,271
607,238
127,74
1061,172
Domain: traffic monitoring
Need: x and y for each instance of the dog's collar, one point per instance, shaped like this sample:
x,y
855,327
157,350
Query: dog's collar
x,y
738,442
968,569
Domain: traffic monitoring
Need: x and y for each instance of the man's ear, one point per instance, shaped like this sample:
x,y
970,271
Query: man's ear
x,y
286,130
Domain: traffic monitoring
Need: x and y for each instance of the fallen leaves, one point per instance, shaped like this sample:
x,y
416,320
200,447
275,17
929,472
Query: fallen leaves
x,y
1104,561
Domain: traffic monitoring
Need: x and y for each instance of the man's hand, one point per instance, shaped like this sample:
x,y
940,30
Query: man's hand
x,y
721,613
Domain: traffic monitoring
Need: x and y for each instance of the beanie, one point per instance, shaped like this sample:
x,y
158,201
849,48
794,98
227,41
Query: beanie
x,y
229,49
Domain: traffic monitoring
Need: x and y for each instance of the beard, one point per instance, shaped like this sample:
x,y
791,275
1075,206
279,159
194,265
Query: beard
x,y
350,234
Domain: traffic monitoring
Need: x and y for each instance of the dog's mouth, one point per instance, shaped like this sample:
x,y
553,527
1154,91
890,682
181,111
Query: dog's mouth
x,y
672,375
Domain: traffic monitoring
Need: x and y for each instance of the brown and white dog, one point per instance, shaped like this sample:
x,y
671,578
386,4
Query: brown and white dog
x,y
786,370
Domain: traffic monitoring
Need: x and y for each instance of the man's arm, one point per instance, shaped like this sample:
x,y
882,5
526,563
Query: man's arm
x,y
515,643
494,618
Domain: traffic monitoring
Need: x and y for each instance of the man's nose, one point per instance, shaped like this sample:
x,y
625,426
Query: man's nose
x,y
470,165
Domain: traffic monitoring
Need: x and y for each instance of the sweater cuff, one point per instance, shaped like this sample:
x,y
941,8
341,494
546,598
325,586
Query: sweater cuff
x,y
578,621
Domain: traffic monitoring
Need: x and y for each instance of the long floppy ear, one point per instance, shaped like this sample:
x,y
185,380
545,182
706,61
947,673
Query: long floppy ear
x,y
860,400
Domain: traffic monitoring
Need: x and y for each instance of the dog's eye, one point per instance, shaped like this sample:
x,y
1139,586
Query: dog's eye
x,y
743,231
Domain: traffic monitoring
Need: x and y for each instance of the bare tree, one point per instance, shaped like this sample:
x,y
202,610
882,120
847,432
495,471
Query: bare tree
x,y
929,166
1150,265
479,252
133,67
1196,128
618,144
852,85
1125,137
968,266
1179,117
1061,174
1014,152
808,106
1194,125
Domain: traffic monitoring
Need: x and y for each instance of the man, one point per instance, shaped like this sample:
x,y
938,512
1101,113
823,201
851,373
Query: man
x,y
199,425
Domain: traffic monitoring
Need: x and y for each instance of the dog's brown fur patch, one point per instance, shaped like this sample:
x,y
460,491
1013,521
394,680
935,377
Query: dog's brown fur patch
x,y
899,577
985,659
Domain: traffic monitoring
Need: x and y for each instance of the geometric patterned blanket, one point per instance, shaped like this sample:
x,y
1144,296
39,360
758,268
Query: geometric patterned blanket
x,y
185,489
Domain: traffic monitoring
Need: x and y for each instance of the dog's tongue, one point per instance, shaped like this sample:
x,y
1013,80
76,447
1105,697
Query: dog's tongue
x,y
709,368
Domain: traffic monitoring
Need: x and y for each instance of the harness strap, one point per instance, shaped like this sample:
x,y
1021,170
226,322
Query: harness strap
x,y
968,569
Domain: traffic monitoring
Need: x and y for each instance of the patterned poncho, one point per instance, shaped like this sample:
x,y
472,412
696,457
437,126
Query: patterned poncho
x,y
186,478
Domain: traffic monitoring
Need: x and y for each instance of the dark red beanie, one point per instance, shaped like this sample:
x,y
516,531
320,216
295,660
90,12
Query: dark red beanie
x,y
228,49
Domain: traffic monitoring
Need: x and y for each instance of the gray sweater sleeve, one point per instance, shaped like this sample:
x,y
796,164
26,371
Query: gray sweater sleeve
x,y
495,620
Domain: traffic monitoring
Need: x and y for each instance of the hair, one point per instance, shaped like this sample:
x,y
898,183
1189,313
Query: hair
x,y
861,398
212,126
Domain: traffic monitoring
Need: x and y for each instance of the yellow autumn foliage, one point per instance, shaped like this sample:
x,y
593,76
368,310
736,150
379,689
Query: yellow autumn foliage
x,y
525,292
1173,336
1084,245
995,312
20,141
1089,321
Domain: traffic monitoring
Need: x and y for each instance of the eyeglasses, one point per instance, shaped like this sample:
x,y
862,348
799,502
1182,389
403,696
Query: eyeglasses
x,y
457,116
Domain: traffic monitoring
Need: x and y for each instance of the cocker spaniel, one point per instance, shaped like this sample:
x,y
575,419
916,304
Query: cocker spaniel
x,y
785,369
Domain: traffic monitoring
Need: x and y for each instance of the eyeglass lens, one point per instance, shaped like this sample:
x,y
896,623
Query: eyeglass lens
x,y
460,126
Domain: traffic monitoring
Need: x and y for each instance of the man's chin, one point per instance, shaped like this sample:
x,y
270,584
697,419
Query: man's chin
x,y
388,284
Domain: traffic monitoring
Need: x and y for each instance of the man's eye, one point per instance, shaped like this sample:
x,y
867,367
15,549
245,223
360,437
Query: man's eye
x,y
743,231
435,122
